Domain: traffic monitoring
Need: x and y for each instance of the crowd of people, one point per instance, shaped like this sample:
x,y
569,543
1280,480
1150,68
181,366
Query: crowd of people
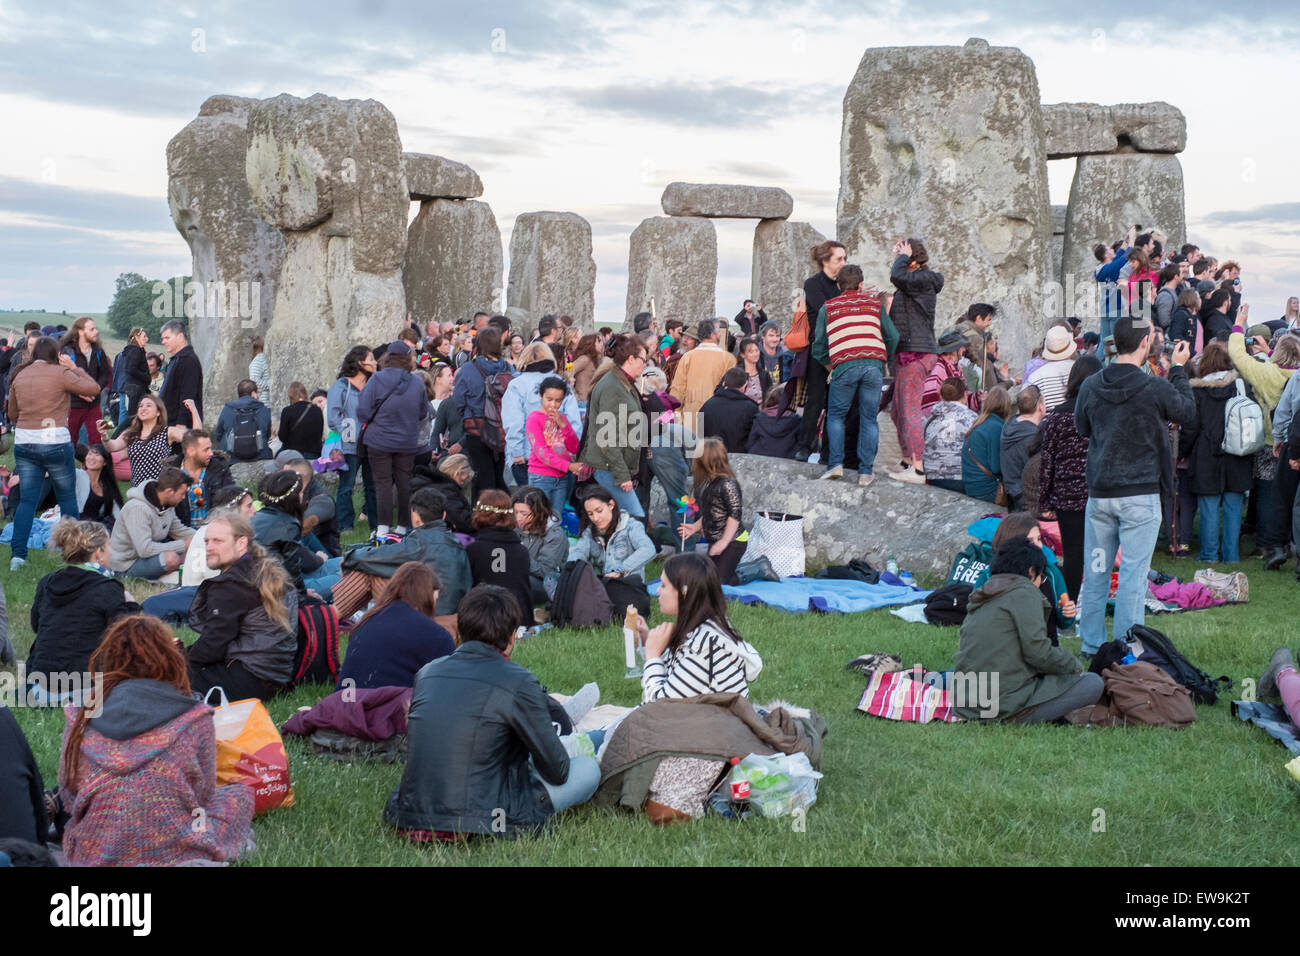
x,y
496,463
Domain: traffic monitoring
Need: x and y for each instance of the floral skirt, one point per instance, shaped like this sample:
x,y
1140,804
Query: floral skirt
x,y
905,408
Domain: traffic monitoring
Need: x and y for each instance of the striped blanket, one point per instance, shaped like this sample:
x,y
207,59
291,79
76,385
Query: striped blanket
x,y
896,696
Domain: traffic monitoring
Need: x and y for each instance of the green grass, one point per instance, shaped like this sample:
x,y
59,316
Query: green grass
x,y
1214,794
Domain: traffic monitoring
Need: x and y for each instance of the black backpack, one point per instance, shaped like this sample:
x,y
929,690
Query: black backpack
x,y
580,599
316,661
1159,650
246,437
490,429
946,607
1109,654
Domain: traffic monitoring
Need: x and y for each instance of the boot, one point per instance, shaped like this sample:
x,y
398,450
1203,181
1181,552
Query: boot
x,y
1266,690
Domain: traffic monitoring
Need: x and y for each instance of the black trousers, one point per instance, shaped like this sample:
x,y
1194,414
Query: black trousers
x,y
1071,525
814,402
726,561
489,466
235,679
391,471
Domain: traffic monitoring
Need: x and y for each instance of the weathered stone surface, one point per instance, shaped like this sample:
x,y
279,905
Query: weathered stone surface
x,y
436,177
328,173
520,319
675,261
207,192
718,201
946,144
920,525
249,474
1081,129
453,261
782,260
1058,241
1109,194
551,267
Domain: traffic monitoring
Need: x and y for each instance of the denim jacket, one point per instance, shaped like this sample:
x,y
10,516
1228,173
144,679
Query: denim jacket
x,y
628,552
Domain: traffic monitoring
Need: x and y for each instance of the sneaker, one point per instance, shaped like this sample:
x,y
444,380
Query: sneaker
x,y
833,474
17,563
864,480
1266,689
909,475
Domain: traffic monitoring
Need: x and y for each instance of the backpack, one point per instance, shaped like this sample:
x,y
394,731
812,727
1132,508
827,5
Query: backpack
x,y
489,429
1141,693
1149,645
946,607
119,373
970,562
316,661
580,599
1243,424
245,436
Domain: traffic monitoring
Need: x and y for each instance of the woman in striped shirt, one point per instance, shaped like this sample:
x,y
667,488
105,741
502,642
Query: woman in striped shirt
x,y
701,653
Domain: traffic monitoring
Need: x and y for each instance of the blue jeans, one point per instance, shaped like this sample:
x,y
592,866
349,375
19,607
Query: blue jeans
x,y
33,463
583,779
1130,525
556,489
860,383
519,472
669,466
324,577
171,606
1209,508
627,500
150,569
347,514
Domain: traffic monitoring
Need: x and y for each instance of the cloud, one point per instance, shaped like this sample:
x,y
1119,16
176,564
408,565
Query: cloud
x,y
754,171
83,209
1281,213
713,106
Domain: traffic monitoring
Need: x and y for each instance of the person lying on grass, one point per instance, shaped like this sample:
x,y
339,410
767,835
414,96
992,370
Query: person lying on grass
x,y
1280,684
1004,644
483,756
701,653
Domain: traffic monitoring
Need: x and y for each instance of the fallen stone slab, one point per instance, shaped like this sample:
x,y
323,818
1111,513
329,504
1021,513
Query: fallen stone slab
x,y
717,201
436,177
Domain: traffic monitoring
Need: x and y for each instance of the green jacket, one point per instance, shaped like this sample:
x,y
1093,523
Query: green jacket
x,y
1005,634
614,438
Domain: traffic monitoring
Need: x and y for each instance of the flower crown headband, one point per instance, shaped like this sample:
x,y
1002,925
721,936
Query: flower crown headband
x,y
276,499
492,509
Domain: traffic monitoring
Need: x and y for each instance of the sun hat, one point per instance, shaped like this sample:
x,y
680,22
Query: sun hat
x,y
1059,344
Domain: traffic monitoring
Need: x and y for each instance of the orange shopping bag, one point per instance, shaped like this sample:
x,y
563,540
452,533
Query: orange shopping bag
x,y
250,751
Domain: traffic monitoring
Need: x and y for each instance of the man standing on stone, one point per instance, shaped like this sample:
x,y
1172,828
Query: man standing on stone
x,y
699,371
982,374
818,289
183,378
81,344
750,319
854,341
1124,414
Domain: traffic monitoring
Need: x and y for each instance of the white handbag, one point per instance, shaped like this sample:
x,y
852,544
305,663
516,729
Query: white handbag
x,y
779,538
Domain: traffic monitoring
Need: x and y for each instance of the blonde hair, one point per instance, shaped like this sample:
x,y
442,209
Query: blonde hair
x,y
535,352
457,468
272,581
78,541
1287,352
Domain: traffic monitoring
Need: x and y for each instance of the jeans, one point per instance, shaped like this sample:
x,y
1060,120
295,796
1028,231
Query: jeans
x,y
149,568
860,383
519,472
1209,509
33,463
627,500
558,489
1130,524
947,484
669,466
324,577
171,606
581,784
347,514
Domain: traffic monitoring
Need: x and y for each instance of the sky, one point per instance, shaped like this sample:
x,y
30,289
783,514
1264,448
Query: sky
x,y
593,108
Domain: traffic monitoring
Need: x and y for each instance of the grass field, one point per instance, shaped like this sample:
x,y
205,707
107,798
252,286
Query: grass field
x,y
900,794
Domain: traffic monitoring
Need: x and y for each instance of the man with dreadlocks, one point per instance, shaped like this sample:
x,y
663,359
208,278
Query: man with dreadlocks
x,y
245,617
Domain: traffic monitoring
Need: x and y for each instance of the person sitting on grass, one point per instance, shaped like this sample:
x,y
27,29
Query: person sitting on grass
x,y
616,546
139,762
483,756
398,635
148,540
22,791
701,653
75,604
1022,526
246,617
1005,636
496,555
543,535
278,526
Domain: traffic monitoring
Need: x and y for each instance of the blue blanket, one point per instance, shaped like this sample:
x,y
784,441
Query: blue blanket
x,y
42,528
819,594
1271,719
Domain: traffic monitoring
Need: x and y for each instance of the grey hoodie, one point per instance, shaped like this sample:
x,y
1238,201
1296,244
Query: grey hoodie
x,y
1016,436
137,706
144,529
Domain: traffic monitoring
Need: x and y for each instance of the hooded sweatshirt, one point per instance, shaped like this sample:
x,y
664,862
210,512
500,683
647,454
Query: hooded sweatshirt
x,y
144,529
708,661
72,609
1123,412
1014,451
148,762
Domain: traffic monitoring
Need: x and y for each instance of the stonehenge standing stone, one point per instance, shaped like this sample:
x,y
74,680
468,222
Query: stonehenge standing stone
x,y
946,144
453,261
435,177
675,261
207,192
1081,129
1058,241
1111,193
782,260
328,174
551,268
715,201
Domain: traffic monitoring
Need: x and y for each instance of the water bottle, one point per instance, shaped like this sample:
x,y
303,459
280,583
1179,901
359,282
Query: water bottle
x,y
906,578
891,565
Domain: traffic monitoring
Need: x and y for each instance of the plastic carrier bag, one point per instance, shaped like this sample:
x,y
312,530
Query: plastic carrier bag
x,y
780,784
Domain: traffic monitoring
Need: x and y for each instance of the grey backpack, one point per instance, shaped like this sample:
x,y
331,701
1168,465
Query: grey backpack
x,y
1243,424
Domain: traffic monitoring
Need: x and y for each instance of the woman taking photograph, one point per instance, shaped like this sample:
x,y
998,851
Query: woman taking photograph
x,y
391,410
147,439
543,535
40,397
701,652
398,635
616,546
717,493
140,760
912,313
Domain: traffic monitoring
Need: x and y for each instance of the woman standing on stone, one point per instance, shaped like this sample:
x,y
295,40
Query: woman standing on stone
x,y
912,313
821,286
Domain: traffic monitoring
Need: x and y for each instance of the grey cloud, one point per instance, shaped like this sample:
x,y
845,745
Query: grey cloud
x,y
697,104
760,173
84,208
1282,213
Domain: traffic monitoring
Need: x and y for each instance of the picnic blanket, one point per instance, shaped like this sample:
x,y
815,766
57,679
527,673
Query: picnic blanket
x,y
896,696
39,537
819,594
1271,719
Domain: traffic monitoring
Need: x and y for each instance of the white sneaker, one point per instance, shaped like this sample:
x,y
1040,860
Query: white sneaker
x,y
908,475
865,479
833,474
17,563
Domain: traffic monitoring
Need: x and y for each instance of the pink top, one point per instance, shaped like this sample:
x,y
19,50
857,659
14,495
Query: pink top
x,y
553,446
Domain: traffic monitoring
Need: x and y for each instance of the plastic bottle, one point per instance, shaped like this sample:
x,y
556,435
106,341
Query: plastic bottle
x,y
891,565
907,578
739,786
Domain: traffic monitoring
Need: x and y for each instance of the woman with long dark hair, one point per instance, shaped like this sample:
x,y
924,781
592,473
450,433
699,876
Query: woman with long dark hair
x,y
398,635
701,652
496,555
147,439
616,545
542,534
721,505
104,500
912,313
341,416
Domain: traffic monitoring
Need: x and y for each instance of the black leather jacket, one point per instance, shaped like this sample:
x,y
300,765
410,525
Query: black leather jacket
x,y
913,310
475,719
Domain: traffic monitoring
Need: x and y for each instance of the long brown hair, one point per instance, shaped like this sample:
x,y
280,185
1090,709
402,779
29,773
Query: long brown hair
x,y
711,463
413,582
135,428
136,647
272,580
996,402
1018,524
699,597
